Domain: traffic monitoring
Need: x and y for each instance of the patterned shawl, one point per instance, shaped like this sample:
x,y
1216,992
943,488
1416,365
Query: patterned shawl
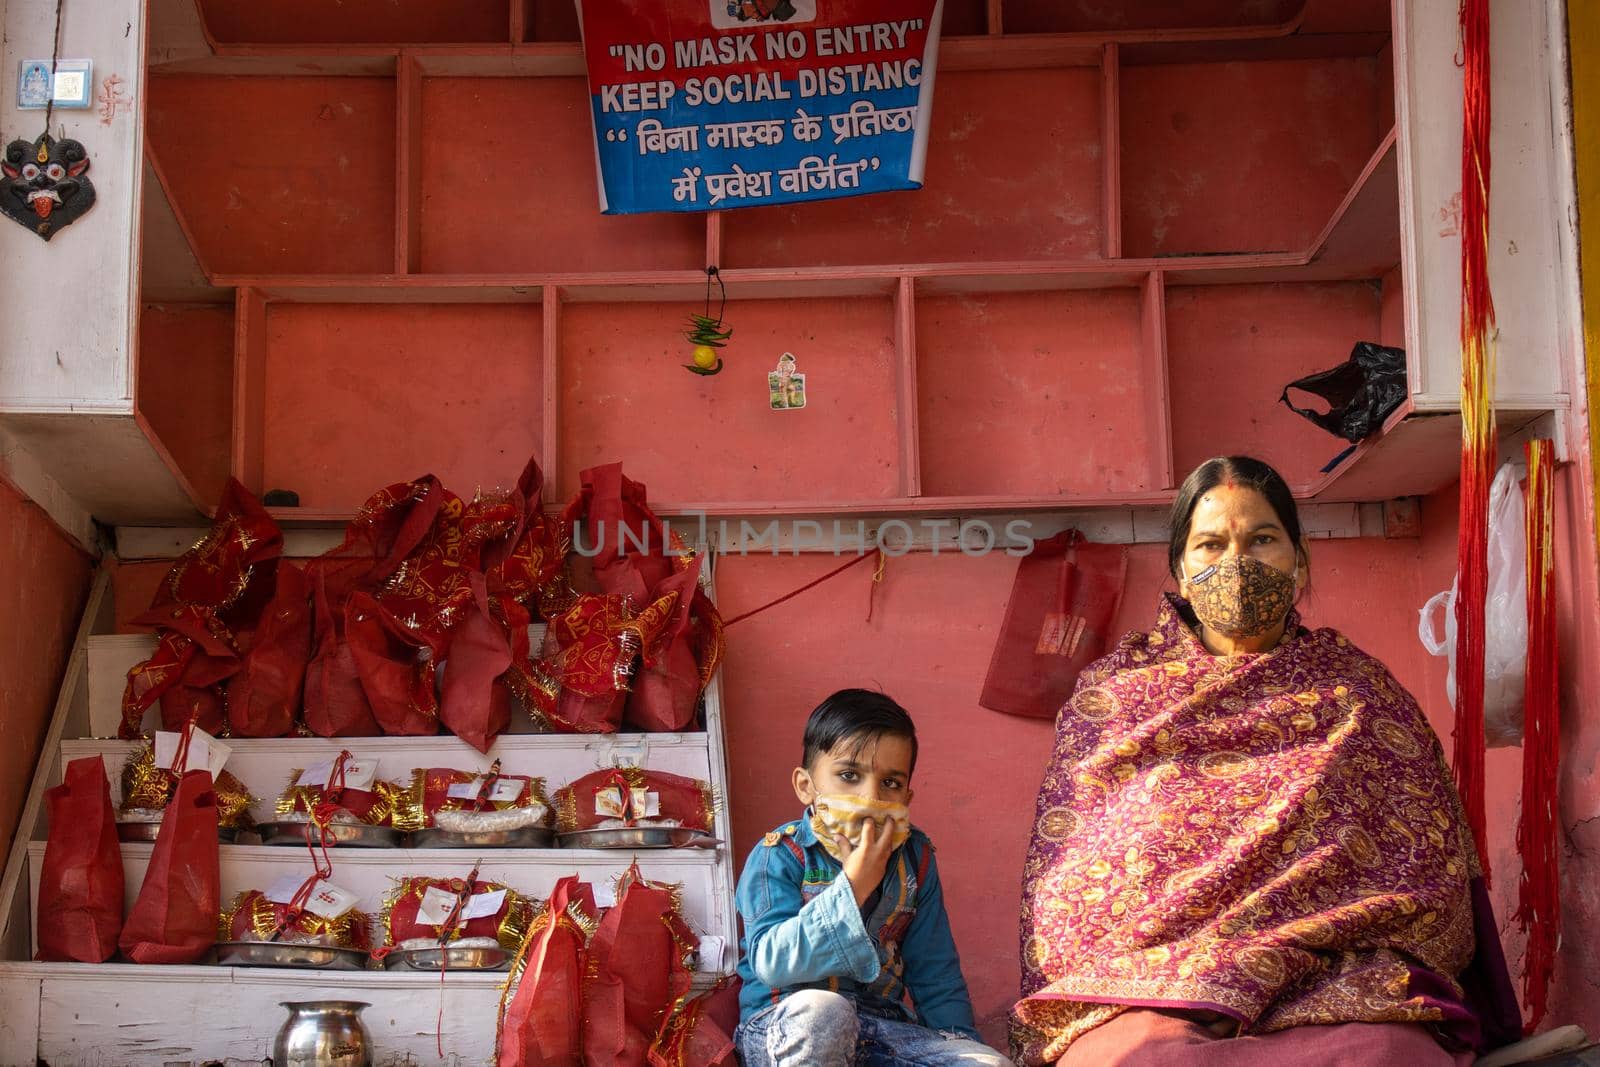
x,y
1274,837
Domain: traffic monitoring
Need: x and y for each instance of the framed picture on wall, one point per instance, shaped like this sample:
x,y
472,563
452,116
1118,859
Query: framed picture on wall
x,y
72,83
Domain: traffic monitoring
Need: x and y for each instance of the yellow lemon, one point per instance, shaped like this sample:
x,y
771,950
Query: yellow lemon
x,y
705,357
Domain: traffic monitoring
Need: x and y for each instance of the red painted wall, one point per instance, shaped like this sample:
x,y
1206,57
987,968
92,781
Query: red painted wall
x,y
46,579
185,388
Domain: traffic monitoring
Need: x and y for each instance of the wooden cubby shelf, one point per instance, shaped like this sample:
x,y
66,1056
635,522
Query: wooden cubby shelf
x,y
430,287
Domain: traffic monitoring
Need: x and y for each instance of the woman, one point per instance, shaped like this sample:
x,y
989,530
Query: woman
x,y
1247,827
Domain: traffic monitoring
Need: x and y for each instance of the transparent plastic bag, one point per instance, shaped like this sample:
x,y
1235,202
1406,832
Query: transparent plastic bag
x,y
1505,617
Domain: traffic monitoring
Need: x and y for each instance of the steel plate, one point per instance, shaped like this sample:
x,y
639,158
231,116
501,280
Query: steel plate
x,y
148,831
289,954
355,834
638,837
451,958
521,837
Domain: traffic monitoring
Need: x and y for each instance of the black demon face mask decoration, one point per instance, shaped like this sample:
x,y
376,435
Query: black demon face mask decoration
x,y
43,183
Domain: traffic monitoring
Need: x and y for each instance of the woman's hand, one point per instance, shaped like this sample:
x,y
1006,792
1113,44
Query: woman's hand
x,y
864,864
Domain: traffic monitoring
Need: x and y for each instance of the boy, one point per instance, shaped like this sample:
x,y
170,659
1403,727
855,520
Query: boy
x,y
843,913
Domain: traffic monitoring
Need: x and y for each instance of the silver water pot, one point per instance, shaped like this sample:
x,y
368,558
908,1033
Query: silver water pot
x,y
323,1033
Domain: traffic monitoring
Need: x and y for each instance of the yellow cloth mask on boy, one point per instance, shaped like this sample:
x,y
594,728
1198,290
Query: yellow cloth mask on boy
x,y
845,815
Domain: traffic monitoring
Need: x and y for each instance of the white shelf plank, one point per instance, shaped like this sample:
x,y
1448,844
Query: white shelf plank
x,y
265,764
371,873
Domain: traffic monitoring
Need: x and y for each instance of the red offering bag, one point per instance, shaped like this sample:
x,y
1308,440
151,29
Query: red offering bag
x,y
1063,604
174,919
264,697
596,644
387,529
541,1021
80,887
473,704
634,796
396,666
208,595
336,704
253,917
675,671
628,543
639,966
700,1034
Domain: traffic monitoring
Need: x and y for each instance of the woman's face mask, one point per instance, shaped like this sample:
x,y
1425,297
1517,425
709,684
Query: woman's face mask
x,y
1240,596
846,815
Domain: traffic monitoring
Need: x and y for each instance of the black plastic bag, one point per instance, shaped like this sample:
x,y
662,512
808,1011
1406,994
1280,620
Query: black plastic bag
x,y
1361,392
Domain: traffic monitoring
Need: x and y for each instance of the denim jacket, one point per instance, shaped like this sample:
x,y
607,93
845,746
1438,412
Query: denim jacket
x,y
803,930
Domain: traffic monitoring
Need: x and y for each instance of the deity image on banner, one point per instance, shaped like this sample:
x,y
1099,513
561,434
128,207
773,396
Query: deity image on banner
x,y
728,14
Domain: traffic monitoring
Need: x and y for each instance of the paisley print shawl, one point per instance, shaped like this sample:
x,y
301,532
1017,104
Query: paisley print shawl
x,y
1272,837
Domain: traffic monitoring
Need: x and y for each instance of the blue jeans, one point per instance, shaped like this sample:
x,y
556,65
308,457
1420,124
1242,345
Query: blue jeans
x,y
815,1028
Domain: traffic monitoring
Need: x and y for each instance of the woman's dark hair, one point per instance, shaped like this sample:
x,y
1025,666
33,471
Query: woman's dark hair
x,y
856,716
1240,470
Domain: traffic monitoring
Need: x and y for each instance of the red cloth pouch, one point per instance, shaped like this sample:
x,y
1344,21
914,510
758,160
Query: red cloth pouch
x,y
541,1023
336,704
253,917
629,545
264,696
700,1033
208,595
404,917
666,688
474,703
431,791
627,795
596,644
639,967
80,885
174,919
396,666
387,529
1063,604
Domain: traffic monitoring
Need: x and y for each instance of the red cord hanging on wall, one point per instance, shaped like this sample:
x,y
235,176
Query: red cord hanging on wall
x,y
1538,894
1478,438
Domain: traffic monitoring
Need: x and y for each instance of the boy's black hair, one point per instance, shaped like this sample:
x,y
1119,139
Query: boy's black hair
x,y
859,716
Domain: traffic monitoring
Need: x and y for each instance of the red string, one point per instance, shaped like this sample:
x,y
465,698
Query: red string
x,y
180,758
486,786
1478,445
451,921
1539,892
791,595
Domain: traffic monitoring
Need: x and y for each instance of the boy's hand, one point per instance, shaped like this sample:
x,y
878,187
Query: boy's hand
x,y
864,864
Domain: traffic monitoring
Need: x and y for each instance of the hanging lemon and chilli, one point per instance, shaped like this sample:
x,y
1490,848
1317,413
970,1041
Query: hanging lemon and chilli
x,y
708,334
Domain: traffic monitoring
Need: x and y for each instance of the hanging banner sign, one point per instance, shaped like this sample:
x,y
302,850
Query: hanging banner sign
x,y
703,105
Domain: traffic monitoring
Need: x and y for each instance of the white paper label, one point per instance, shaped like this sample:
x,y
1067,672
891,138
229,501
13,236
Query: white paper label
x,y
608,803
483,905
436,905
205,752
358,774
605,895
503,791
331,901
283,890
711,949
327,900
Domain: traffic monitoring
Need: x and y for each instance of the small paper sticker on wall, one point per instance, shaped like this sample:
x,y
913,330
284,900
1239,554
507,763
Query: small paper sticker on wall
x,y
786,388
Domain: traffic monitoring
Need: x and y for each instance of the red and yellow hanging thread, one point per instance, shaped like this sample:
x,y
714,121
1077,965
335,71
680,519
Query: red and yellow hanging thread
x,y
1539,892
1478,437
